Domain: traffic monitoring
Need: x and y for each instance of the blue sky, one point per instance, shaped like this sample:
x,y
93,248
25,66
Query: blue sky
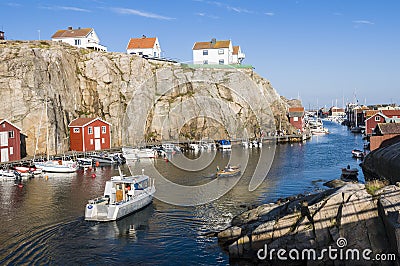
x,y
320,50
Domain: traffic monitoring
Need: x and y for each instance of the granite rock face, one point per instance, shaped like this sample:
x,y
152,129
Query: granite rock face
x,y
144,100
345,218
383,164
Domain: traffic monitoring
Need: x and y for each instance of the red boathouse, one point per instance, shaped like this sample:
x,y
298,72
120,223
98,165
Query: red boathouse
x,y
10,141
89,134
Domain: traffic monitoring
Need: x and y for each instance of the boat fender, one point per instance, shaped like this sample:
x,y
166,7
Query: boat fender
x,y
93,175
90,207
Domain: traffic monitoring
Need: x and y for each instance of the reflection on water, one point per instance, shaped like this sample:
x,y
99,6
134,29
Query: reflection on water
x,y
42,223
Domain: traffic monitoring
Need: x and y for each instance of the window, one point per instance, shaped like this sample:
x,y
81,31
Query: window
x,y
91,141
140,53
104,129
295,119
205,62
76,130
221,51
103,140
221,61
11,150
3,125
11,134
90,130
205,52
377,118
77,42
155,54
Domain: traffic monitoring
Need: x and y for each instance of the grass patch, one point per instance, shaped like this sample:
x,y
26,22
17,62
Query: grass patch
x,y
374,185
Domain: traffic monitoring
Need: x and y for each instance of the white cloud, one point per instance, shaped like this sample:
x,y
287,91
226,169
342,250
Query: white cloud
x,y
363,22
68,8
270,14
135,12
200,14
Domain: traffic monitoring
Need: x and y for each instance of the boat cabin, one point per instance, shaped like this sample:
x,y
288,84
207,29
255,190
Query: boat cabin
x,y
124,189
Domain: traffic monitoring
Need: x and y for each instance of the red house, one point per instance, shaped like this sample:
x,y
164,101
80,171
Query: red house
x,y
89,134
10,141
296,117
384,116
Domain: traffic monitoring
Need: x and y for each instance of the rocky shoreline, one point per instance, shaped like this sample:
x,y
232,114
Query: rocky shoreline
x,y
346,219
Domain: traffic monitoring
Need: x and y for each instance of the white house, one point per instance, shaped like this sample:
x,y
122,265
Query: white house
x,y
237,55
148,47
217,52
80,37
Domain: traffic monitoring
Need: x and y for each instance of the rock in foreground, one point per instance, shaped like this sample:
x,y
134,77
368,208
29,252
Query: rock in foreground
x,y
345,220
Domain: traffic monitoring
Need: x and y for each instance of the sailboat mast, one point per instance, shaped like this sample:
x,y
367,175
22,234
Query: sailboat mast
x,y
47,129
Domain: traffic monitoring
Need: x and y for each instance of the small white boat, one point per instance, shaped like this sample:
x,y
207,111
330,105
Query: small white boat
x,y
7,175
122,196
229,171
357,153
135,154
108,158
319,131
59,166
224,144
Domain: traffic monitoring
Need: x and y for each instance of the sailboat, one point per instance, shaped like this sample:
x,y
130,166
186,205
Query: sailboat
x,y
356,128
55,166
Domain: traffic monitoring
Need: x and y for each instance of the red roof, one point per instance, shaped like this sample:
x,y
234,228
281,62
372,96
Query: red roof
x,y
296,109
83,121
210,45
391,113
141,43
236,50
5,120
71,33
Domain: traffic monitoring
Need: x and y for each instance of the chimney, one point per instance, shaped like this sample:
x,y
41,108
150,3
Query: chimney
x,y
69,28
213,41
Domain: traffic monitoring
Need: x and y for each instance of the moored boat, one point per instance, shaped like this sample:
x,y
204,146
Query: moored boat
x,y
357,153
349,173
224,144
122,196
58,166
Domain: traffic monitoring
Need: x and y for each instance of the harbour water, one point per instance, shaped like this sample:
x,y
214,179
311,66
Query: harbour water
x,y
42,222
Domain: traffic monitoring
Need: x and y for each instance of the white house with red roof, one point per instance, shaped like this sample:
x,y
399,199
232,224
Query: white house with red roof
x,y
217,52
80,37
144,46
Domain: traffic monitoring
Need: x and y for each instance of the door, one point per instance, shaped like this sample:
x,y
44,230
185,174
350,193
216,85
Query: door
x,y
4,155
97,132
97,144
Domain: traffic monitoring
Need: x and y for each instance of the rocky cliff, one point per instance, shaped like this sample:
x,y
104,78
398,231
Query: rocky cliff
x,y
142,99
383,164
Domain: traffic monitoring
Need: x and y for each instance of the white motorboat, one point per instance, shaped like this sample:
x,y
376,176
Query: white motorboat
x,y
122,196
357,153
224,144
319,130
59,166
7,174
107,158
135,153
